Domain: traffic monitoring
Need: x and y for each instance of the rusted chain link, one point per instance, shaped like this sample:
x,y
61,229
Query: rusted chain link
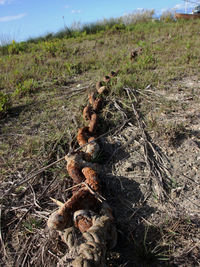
x,y
86,210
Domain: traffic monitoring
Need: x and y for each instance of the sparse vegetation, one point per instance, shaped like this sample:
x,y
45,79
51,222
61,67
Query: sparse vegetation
x,y
44,84
4,103
167,16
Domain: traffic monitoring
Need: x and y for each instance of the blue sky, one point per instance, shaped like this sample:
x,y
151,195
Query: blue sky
x,y
22,19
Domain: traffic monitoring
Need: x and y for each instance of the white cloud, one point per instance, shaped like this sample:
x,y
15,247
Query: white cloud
x,y
179,6
75,11
182,6
10,18
3,2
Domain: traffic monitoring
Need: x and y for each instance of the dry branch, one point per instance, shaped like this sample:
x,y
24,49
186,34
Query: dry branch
x,y
160,175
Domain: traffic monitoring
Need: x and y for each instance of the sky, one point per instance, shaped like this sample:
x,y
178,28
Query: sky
x,y
23,19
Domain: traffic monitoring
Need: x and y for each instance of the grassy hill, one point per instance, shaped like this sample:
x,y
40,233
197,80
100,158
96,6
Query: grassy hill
x,y
44,85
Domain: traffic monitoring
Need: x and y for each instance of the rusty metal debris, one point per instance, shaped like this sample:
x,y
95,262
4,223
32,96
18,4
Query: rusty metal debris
x,y
86,210
87,113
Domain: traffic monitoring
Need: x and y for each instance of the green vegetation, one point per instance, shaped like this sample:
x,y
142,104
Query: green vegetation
x,y
27,87
44,85
4,103
31,225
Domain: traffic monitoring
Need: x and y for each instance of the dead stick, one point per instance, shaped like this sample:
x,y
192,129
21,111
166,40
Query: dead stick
x,y
97,195
74,186
55,162
32,176
1,238
154,164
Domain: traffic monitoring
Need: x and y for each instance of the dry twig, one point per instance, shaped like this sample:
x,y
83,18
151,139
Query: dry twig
x,y
28,178
153,158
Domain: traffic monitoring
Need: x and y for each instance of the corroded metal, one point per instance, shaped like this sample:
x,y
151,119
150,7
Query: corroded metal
x,y
86,210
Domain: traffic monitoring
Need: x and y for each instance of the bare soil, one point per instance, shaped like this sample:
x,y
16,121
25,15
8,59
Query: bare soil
x,y
150,232
174,223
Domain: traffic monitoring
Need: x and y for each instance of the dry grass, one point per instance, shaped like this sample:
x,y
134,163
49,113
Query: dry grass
x,y
48,82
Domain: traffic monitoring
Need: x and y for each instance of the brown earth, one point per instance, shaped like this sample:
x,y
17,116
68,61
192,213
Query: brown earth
x,y
175,222
150,232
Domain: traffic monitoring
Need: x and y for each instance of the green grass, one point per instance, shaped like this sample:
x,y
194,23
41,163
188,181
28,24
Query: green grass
x,y
39,77
36,75
4,103
158,242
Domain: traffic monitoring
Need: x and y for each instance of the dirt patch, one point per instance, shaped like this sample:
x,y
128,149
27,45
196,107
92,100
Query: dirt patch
x,y
150,232
140,206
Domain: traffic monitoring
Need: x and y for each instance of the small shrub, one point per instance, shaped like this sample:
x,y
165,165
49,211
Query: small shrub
x,y
119,27
69,68
145,62
167,16
14,48
32,224
49,47
5,103
25,87
138,16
